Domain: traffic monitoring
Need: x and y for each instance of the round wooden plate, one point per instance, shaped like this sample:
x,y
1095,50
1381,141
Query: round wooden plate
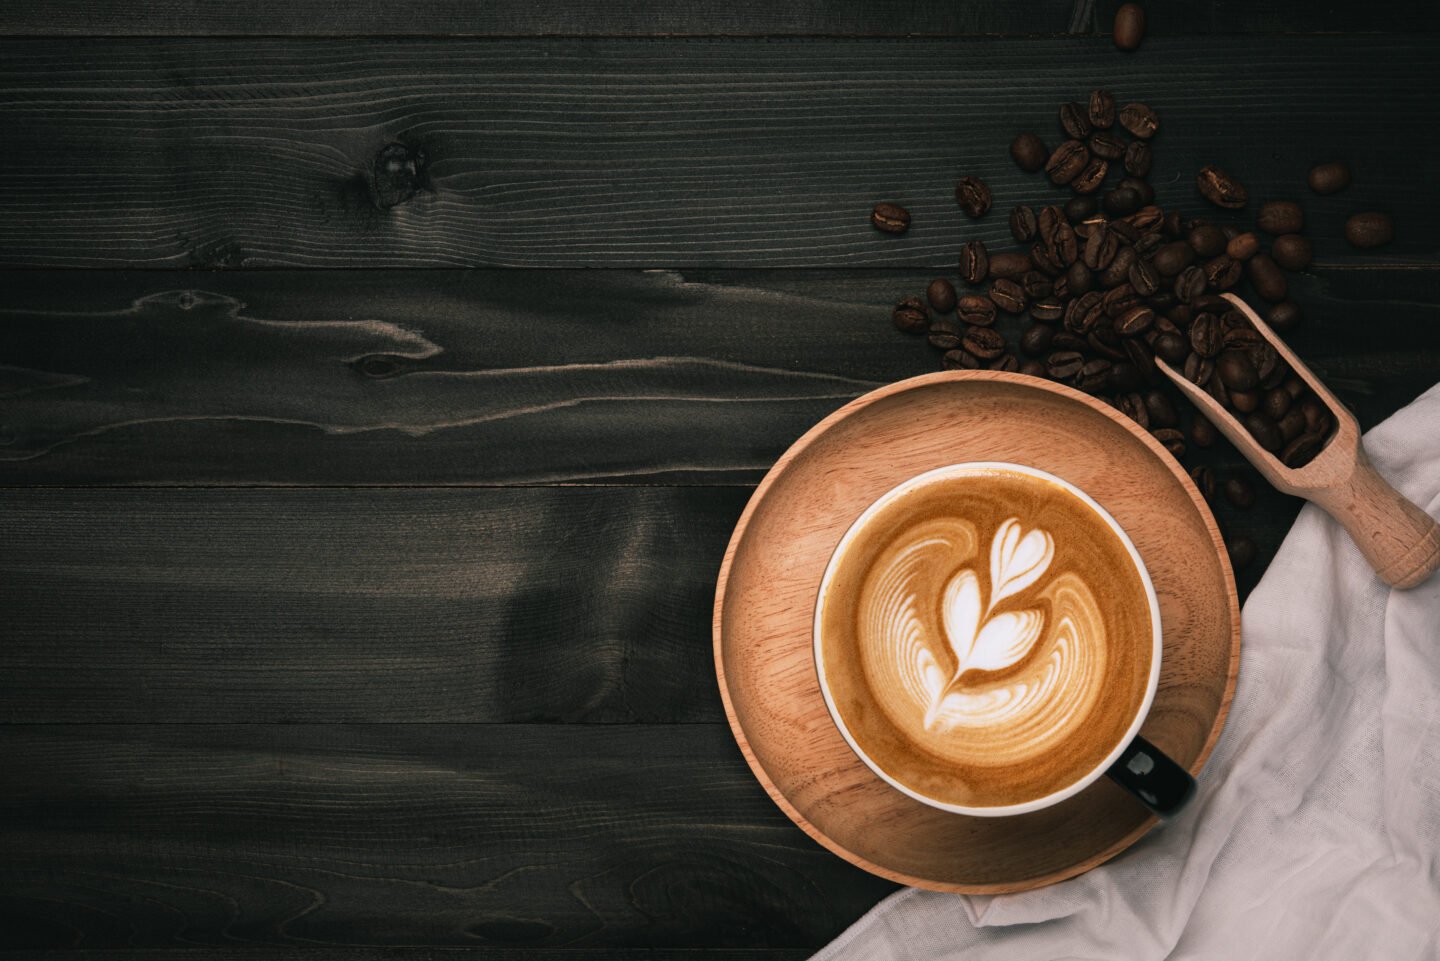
x,y
765,602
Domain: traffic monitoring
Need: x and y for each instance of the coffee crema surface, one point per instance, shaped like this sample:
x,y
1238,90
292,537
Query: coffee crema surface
x,y
986,637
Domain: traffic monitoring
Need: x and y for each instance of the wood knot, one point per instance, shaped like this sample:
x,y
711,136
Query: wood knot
x,y
379,366
398,172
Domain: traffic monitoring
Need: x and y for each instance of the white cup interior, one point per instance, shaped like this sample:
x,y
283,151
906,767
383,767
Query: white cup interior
x,y
959,470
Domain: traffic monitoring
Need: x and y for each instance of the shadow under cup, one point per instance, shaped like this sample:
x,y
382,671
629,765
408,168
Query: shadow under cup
x,y
988,642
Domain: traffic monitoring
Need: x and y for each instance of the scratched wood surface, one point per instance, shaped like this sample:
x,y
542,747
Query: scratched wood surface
x,y
652,152
366,610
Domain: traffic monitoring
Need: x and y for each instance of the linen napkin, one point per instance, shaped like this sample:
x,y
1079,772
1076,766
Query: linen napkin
x,y
1316,828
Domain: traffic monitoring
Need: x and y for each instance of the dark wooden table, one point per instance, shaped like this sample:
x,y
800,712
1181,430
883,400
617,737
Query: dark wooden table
x,y
379,385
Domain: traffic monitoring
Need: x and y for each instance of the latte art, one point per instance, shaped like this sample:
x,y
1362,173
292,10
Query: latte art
x,y
988,636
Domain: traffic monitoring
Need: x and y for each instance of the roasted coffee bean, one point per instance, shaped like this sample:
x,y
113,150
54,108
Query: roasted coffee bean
x,y
1212,304
1102,109
958,359
1176,319
1147,245
1174,225
1065,340
1238,337
1221,189
1267,278
975,310
1171,439
973,196
1240,492
1032,368
1132,405
1264,430
1283,315
1064,364
1242,551
1119,270
1035,340
1315,414
1207,240
1170,259
1101,248
1029,152
1124,376
1078,279
1077,209
1144,278
1104,144
1036,285
1104,341
1138,158
1216,388
1292,424
1075,120
984,342
1088,181
1146,219
1085,228
1276,403
1329,178
1292,251
1094,375
1369,230
1204,480
1301,450
1280,217
1010,265
1060,288
1022,224
1046,260
1162,409
1125,229
1083,313
1222,273
911,315
890,218
941,294
974,262
1066,162
1129,28
1008,296
1141,359
1171,348
1120,202
1007,362
1119,300
1236,370
1244,400
1205,335
1272,369
1140,120
1141,187
945,334
1056,233
1047,309
1243,246
1294,386
1135,321
1202,432
1190,284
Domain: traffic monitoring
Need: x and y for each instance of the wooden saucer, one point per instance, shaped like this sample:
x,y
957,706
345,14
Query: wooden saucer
x,y
772,569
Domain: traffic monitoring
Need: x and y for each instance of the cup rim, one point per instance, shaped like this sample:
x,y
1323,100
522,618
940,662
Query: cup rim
x,y
1157,645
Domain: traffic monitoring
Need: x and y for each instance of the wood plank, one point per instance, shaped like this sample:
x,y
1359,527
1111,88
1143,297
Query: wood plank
x,y
411,835
504,377
560,604
651,152
512,18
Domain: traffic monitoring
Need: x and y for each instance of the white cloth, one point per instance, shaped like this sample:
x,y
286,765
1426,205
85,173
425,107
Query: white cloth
x,y
1316,830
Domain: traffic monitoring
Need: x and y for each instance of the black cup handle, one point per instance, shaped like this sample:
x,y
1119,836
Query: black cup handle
x,y
1156,781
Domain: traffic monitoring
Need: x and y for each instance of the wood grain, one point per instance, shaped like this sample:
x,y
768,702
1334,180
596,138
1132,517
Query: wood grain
x,y
513,18
412,836
503,377
263,606
765,602
651,152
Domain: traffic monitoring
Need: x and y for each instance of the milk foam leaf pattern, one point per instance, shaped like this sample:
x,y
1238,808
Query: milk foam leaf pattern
x,y
1017,561
1005,639
961,613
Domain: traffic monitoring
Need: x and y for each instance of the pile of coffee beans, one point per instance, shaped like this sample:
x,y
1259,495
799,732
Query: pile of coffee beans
x,y
1107,281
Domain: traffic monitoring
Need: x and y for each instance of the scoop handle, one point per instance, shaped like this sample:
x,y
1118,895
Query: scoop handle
x,y
1401,541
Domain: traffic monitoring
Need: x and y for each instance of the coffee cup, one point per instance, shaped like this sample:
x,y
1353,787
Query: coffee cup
x,y
988,642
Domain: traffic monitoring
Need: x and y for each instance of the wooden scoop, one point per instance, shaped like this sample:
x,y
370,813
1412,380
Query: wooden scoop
x,y
1399,539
